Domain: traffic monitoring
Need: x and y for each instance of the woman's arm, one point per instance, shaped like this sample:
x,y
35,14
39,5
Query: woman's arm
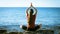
x,y
35,12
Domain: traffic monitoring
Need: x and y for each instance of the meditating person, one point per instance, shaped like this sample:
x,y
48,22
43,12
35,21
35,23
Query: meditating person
x,y
31,17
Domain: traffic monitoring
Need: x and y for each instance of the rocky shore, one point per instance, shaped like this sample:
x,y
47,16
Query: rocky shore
x,y
5,32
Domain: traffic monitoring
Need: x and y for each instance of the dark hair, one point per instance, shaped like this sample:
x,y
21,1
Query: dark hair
x,y
31,11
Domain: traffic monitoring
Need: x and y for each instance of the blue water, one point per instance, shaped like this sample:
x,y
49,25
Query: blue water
x,y
17,15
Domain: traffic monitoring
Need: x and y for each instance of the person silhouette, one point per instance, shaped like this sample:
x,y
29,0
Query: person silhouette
x,y
31,17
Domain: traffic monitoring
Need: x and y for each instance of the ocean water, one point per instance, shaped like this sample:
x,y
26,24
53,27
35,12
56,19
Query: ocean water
x,y
17,15
12,17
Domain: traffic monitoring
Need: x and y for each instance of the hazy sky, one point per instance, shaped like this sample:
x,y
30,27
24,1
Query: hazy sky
x,y
26,3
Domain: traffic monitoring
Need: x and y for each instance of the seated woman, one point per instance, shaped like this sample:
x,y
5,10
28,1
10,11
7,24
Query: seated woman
x,y
31,16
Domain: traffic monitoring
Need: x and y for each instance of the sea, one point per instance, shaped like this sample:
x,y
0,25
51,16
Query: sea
x,y
12,17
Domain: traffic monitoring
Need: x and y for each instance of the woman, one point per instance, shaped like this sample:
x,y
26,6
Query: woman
x,y
31,16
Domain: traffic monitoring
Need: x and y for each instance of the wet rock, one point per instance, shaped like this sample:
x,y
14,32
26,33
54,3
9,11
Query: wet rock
x,y
3,31
30,32
20,33
15,33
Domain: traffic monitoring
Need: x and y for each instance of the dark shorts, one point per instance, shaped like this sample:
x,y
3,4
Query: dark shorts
x,y
31,29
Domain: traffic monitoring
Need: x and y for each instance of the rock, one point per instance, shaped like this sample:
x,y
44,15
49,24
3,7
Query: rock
x,y
30,32
3,31
15,33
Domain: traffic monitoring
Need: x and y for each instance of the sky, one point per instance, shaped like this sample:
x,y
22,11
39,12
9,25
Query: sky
x,y
26,3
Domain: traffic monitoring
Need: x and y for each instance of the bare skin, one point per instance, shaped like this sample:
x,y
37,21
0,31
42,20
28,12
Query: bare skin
x,y
31,19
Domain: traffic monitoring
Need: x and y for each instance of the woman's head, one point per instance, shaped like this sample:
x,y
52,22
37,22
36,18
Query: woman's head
x,y
31,11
